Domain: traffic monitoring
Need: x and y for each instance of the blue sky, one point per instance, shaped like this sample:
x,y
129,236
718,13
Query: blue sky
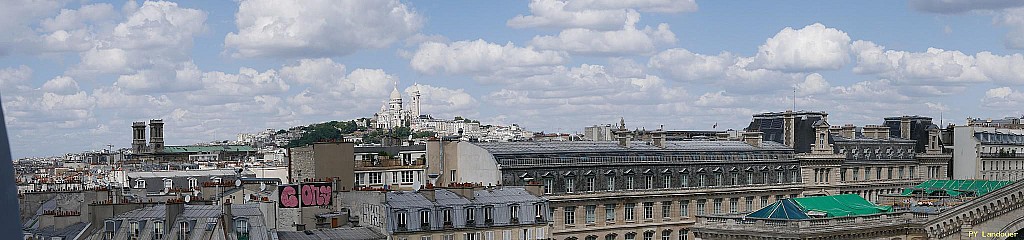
x,y
75,74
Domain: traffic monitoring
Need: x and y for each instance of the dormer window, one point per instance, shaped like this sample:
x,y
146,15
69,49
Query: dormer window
x,y
401,220
133,230
470,216
513,213
109,227
140,183
242,227
488,215
183,230
538,210
425,219
192,184
158,230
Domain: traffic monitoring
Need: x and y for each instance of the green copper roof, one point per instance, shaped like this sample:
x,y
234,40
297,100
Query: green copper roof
x,y
208,149
841,205
830,206
955,188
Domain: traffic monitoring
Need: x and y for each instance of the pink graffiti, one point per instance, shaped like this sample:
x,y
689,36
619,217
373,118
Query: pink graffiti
x,y
288,197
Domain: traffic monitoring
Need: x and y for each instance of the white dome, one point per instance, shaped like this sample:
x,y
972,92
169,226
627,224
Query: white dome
x,y
395,94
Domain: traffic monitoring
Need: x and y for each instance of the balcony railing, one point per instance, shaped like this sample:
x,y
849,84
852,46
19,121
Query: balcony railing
x,y
1002,155
393,162
808,226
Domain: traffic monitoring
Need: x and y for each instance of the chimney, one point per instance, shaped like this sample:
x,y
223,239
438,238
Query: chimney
x,y
428,193
752,138
138,137
534,188
229,219
658,138
173,207
905,127
849,131
934,145
156,135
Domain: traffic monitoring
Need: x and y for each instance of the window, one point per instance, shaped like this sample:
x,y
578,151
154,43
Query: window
x,y
650,182
447,214
890,173
242,228
570,215
453,175
470,216
140,183
684,180
749,204
538,210
609,212
750,178
764,178
192,183
109,227
375,178
407,176
400,218
683,234
648,235
666,209
609,237
764,201
733,178
701,182
488,214
684,208
665,235
629,182
452,237
718,206
470,236
630,236
611,183
158,230
514,213
718,179
591,209
667,181
912,171
489,235
648,210
732,204
547,186
183,230
867,173
630,211
901,173
568,185
780,177
701,206
878,173
432,238
590,184
856,171
133,230
425,219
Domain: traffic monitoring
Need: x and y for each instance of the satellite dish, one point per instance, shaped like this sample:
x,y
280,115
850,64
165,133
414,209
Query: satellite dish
x,y
416,185
188,198
263,186
238,182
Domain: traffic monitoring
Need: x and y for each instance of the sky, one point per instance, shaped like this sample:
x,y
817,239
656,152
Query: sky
x,y
75,74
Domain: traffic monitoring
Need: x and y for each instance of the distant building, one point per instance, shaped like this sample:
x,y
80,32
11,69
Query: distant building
x,y
321,161
184,181
393,167
392,114
177,220
792,129
458,212
1007,122
598,133
910,127
988,153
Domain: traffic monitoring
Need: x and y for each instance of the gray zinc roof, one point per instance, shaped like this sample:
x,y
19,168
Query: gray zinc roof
x,y
504,195
613,146
356,233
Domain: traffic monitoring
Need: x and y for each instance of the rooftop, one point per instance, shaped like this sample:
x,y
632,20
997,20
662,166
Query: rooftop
x,y
821,207
499,148
355,233
208,149
445,197
187,173
954,188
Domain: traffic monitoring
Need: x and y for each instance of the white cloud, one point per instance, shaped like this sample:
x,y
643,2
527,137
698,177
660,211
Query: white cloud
x,y
812,84
61,85
684,65
270,28
666,6
16,19
1008,69
629,40
1003,98
444,102
320,71
14,78
181,77
248,82
481,57
553,14
869,90
814,47
1014,19
934,67
715,99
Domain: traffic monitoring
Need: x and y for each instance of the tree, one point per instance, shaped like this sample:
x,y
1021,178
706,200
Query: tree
x,y
424,134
